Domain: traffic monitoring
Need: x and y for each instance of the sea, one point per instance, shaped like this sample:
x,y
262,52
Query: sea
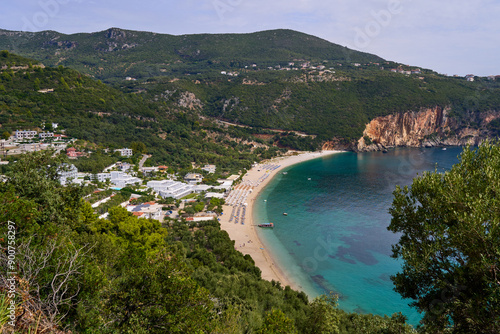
x,y
331,217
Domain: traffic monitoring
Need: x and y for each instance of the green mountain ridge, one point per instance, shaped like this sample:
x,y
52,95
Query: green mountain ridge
x,y
277,79
116,53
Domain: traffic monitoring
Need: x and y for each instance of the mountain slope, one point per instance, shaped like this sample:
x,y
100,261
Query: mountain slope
x,y
278,79
32,95
116,53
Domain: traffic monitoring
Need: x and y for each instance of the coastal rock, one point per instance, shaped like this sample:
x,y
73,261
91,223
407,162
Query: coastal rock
x,y
427,127
424,128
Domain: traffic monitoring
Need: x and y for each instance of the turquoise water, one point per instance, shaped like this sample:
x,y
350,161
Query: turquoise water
x,y
334,237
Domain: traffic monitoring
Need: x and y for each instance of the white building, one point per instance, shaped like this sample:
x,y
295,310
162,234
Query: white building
x,y
125,152
118,179
43,135
102,177
193,178
146,210
25,134
201,187
123,166
214,195
169,188
209,168
121,179
67,173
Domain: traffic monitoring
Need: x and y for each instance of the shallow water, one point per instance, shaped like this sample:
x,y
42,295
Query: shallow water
x,y
334,236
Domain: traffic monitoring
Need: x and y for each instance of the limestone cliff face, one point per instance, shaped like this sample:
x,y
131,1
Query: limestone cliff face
x,y
407,129
424,128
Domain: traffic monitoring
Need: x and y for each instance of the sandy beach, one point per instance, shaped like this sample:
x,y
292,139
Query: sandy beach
x,y
239,209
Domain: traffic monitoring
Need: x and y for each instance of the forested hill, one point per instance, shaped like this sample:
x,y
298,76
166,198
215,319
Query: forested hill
x,y
277,79
116,53
32,95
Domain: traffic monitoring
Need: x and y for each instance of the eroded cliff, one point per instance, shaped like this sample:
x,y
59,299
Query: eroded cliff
x,y
424,128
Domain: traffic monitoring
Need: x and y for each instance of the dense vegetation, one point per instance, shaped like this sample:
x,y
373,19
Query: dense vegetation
x,y
91,111
450,244
116,53
131,275
328,109
334,96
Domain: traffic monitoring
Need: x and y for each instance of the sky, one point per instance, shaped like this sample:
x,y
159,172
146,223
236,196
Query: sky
x,y
448,36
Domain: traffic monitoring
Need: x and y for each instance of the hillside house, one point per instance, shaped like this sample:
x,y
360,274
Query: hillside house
x,y
125,152
209,168
470,77
72,153
25,134
149,210
45,135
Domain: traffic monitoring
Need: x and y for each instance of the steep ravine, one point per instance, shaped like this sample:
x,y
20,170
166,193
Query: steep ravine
x,y
425,128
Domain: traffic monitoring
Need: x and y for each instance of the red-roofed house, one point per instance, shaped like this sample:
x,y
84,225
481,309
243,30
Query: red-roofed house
x,y
73,153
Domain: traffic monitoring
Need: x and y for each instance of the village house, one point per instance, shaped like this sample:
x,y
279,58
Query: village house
x,y
149,210
125,152
45,135
209,169
72,153
149,170
25,134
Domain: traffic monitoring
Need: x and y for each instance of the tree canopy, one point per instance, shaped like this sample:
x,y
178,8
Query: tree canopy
x,y
450,243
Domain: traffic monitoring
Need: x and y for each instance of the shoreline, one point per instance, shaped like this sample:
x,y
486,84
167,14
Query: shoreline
x,y
241,225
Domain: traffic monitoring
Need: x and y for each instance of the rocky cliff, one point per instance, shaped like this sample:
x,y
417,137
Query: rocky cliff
x,y
424,128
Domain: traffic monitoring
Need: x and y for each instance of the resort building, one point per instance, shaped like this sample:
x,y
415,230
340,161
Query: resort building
x,y
122,179
102,177
67,173
193,178
118,179
169,188
25,134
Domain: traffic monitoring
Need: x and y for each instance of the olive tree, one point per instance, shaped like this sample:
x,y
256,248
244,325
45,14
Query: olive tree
x,y
450,243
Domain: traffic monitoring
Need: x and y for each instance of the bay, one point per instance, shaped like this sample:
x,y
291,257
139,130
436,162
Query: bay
x,y
334,235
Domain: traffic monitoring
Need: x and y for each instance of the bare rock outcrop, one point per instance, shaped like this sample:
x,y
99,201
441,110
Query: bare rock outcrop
x,y
427,127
